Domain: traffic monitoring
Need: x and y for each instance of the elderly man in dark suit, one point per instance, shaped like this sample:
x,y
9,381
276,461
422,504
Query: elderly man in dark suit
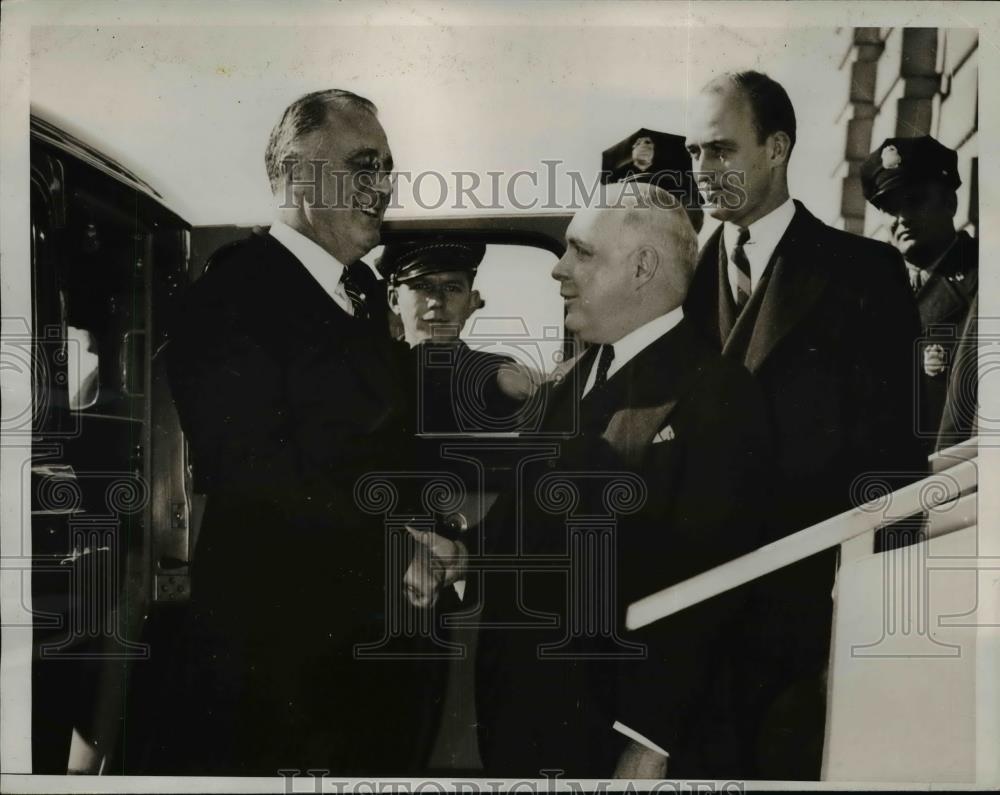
x,y
826,322
913,181
289,389
658,408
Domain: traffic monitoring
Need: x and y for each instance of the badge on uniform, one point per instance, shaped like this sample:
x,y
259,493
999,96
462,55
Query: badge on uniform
x,y
665,435
891,157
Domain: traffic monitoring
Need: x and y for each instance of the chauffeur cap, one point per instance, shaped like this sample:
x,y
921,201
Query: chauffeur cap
x,y
908,163
405,260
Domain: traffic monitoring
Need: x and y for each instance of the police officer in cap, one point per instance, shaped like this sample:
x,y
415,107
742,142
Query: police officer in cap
x,y
460,389
914,182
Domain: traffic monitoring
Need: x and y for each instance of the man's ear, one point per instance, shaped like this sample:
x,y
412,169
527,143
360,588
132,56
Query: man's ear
x,y
476,301
289,191
645,262
779,146
393,298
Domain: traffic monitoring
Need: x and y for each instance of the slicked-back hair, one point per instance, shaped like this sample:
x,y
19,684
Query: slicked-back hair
x,y
305,115
769,103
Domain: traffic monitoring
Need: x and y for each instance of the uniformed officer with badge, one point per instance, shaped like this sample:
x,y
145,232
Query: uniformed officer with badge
x,y
430,290
914,182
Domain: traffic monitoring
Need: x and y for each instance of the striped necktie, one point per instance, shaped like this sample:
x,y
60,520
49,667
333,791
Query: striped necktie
x,y
742,265
352,288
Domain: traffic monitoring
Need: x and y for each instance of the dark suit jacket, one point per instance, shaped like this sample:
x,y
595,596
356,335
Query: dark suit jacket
x,y
829,335
286,400
703,486
458,391
944,303
960,415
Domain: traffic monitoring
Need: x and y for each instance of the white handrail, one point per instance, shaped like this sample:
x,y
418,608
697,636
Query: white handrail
x,y
963,451
939,488
957,516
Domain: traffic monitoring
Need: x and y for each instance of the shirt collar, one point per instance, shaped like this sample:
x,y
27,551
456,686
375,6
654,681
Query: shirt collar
x,y
321,264
765,233
633,343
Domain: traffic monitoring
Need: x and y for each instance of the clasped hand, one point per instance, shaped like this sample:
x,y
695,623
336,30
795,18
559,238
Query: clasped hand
x,y
935,360
437,563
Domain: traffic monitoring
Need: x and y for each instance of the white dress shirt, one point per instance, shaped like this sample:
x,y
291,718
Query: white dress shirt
x,y
633,343
321,264
764,236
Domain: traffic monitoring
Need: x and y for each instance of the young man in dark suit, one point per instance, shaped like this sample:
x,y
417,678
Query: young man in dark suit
x,y
826,323
289,389
913,181
657,408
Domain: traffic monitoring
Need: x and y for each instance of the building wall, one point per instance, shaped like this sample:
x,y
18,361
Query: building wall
x,y
907,82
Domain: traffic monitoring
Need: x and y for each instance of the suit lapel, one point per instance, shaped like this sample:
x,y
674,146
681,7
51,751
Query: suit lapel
x,y
309,302
727,305
631,430
952,284
702,305
938,300
795,280
639,399
318,319
562,394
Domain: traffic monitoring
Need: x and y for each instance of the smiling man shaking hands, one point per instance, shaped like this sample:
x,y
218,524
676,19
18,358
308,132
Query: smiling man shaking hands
x,y
655,403
289,389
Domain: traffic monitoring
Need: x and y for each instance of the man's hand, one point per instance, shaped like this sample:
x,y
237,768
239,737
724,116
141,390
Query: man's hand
x,y
437,563
935,360
518,381
638,761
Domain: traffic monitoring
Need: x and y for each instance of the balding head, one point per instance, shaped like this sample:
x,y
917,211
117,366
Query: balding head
x,y
627,262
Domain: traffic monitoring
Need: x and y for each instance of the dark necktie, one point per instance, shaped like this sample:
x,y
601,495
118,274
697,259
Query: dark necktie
x,y
742,264
355,293
604,359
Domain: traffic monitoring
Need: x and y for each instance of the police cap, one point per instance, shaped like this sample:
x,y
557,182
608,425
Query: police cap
x,y
405,260
908,163
659,158
644,156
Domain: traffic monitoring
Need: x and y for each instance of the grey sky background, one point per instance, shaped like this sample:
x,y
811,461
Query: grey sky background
x,y
189,108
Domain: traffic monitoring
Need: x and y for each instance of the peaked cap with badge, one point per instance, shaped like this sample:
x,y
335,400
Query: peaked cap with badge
x,y
901,163
658,157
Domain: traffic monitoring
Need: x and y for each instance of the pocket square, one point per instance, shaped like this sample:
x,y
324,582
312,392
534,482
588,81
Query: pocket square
x,y
666,434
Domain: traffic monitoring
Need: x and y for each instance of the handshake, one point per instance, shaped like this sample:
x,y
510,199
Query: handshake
x,y
437,563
